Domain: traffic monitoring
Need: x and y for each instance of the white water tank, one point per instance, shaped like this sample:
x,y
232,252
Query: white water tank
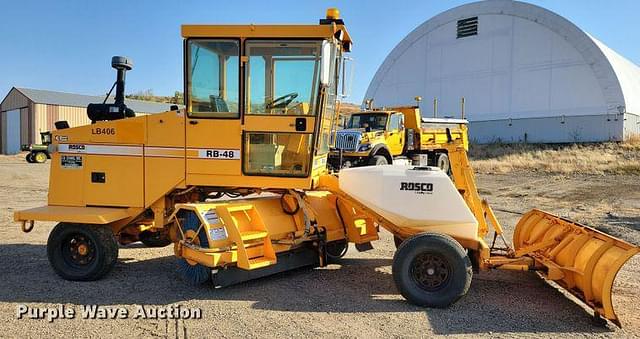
x,y
423,198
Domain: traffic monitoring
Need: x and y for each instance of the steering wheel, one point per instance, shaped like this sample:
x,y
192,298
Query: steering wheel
x,y
283,101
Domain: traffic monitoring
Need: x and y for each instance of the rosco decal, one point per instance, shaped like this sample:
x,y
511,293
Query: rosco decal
x,y
418,187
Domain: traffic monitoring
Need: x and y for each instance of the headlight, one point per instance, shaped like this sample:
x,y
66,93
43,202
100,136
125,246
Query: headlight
x,y
364,147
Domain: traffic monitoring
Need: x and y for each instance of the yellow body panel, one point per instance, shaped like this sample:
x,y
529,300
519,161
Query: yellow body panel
x,y
86,215
67,188
262,123
436,137
164,155
124,183
213,133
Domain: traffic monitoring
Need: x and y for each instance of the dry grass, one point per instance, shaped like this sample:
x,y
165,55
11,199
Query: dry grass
x,y
602,158
346,108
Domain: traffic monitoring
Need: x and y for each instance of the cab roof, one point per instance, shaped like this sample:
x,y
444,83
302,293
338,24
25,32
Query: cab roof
x,y
265,31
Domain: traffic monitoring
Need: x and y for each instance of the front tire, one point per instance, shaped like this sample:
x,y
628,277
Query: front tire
x,y
397,241
29,158
80,252
443,163
432,270
378,160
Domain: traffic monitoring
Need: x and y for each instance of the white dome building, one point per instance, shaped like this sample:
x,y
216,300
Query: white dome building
x,y
526,73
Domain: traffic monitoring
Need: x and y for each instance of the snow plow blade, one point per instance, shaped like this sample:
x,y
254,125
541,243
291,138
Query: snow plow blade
x,y
581,259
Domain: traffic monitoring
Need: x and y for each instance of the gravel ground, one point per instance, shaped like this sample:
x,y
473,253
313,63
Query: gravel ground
x,y
354,299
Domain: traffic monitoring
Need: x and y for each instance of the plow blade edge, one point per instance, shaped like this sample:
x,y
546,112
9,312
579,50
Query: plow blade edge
x,y
581,259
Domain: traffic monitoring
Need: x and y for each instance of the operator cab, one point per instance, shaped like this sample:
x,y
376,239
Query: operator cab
x,y
261,102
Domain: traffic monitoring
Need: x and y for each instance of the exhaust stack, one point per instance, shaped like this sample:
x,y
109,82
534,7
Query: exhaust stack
x,y
117,110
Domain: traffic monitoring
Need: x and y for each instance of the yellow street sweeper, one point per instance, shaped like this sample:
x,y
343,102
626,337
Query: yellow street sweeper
x,y
238,182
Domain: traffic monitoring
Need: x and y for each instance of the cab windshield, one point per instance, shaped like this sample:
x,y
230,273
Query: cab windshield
x,y
368,121
282,77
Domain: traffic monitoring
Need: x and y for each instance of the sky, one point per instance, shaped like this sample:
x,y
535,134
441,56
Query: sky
x,y
67,45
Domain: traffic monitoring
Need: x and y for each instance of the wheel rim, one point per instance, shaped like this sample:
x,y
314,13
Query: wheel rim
x,y
430,271
78,250
41,157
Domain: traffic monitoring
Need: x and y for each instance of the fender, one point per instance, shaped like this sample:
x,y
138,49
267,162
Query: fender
x,y
381,149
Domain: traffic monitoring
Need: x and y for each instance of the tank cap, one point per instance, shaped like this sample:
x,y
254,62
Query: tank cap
x,y
422,168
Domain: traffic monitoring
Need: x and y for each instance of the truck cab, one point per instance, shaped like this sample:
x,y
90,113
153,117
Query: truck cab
x,y
369,138
380,137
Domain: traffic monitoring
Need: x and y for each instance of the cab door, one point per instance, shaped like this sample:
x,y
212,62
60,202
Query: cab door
x,y
281,101
213,124
395,134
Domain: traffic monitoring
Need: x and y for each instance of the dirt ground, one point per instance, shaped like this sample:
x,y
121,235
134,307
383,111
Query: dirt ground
x,y
354,299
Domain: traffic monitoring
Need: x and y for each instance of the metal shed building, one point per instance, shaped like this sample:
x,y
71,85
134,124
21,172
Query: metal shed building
x,y
24,113
526,73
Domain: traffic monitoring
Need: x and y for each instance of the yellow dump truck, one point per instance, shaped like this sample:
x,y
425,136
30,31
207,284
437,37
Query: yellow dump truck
x,y
399,134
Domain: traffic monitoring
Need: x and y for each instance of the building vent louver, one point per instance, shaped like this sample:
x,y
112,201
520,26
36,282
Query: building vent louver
x,y
467,27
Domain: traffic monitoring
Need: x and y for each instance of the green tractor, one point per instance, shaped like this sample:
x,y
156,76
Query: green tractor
x,y
38,153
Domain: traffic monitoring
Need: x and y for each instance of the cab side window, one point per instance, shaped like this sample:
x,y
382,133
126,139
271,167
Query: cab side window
x,y
213,74
395,122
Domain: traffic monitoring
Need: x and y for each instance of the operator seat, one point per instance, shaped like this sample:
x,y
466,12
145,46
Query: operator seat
x,y
218,104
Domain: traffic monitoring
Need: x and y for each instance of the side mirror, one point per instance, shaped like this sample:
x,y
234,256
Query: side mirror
x,y
325,64
347,77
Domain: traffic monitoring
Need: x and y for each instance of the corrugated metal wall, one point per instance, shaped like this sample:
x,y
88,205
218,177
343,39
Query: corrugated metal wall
x,y
25,137
46,115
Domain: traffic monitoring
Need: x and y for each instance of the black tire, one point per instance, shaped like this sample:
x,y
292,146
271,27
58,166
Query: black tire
x,y
443,163
40,157
336,250
29,158
378,160
432,270
397,241
154,239
65,251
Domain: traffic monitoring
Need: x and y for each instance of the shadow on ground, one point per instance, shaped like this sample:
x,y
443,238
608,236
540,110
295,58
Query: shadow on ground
x,y
494,301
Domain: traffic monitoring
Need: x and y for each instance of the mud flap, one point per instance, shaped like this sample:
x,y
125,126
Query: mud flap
x,y
581,259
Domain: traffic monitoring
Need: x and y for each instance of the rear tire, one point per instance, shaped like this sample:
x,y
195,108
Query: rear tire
x,y
378,160
432,270
80,252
